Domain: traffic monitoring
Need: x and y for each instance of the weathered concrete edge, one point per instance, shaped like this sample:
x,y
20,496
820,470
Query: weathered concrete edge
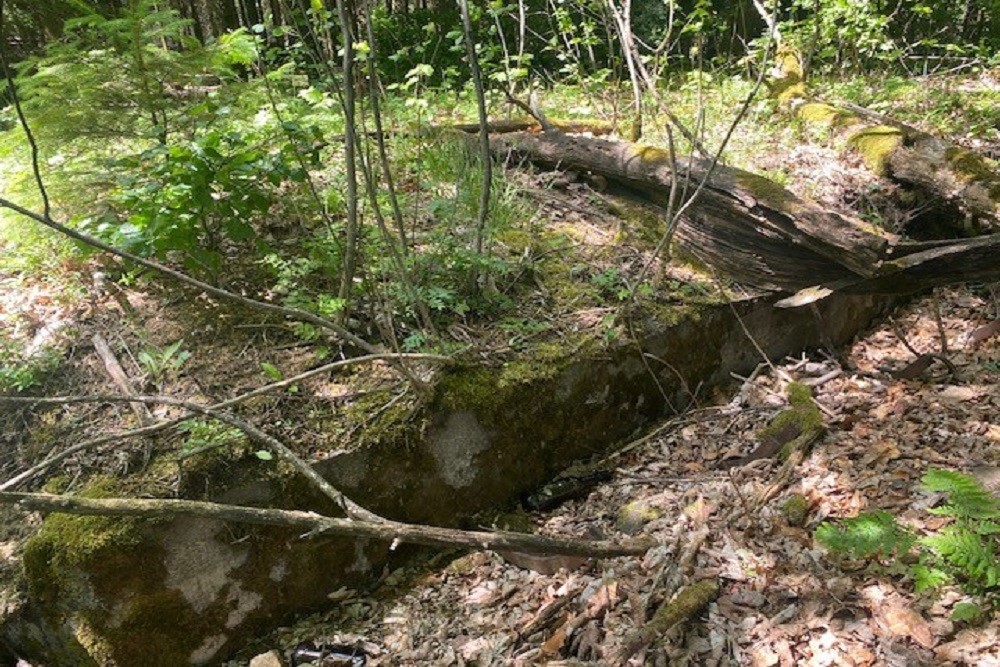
x,y
475,455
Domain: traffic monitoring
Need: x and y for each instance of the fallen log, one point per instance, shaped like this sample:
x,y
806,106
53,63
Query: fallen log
x,y
742,224
759,233
942,172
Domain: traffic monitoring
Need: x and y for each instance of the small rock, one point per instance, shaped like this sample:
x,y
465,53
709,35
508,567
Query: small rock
x,y
269,659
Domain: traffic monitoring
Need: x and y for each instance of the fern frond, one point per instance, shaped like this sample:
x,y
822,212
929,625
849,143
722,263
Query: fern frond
x,y
967,498
974,557
870,534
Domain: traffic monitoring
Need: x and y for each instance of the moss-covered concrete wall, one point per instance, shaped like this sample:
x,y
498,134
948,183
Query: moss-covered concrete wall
x,y
191,591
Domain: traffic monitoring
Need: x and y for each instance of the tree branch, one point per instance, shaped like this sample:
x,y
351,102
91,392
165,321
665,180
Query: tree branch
x,y
290,313
349,507
317,524
152,429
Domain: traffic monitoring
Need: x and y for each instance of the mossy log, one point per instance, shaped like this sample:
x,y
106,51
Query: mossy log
x,y
758,232
967,183
741,223
938,169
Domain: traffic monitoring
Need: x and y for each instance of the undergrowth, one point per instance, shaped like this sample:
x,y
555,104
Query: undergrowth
x,y
963,552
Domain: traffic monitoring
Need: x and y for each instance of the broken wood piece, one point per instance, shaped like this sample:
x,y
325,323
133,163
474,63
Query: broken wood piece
x,y
689,603
121,379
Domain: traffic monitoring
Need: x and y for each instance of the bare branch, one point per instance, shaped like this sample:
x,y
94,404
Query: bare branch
x,y
263,439
290,313
153,429
317,524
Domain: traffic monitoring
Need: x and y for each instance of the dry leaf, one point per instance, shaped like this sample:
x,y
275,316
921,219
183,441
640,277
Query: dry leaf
x,y
903,621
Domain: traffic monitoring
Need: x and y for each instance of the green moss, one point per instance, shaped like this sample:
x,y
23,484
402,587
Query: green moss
x,y
876,144
799,424
767,190
819,112
75,539
517,521
636,514
369,420
800,395
796,510
653,155
972,167
152,631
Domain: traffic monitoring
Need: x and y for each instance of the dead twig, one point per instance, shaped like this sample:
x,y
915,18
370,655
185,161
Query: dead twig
x,y
317,524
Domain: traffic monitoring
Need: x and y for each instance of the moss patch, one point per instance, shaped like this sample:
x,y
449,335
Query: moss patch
x,y
819,112
876,144
796,510
799,425
972,167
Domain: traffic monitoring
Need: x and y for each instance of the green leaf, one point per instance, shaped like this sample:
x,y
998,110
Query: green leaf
x,y
272,371
966,611
264,455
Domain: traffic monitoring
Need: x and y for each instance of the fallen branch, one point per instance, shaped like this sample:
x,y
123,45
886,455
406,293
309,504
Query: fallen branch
x,y
291,313
160,426
318,524
120,378
349,507
688,604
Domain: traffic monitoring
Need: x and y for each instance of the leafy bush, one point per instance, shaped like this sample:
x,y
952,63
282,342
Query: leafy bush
x,y
963,552
193,196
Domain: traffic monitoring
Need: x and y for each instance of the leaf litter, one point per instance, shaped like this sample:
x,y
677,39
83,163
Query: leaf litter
x,y
784,600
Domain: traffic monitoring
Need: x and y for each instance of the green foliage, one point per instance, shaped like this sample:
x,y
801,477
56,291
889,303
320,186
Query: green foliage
x,y
967,499
192,196
409,40
855,34
162,363
965,551
868,535
19,374
109,77
200,435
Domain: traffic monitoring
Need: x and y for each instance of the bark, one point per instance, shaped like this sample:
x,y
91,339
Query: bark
x,y
761,234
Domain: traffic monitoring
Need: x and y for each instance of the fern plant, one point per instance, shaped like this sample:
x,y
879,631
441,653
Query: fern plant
x,y
963,552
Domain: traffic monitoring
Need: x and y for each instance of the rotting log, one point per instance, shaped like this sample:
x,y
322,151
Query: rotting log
x,y
759,233
939,170
742,224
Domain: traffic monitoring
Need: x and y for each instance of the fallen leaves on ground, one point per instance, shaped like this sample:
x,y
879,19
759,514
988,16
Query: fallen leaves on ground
x,y
784,601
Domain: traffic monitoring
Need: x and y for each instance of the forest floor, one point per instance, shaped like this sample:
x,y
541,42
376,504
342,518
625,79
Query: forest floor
x,y
784,600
